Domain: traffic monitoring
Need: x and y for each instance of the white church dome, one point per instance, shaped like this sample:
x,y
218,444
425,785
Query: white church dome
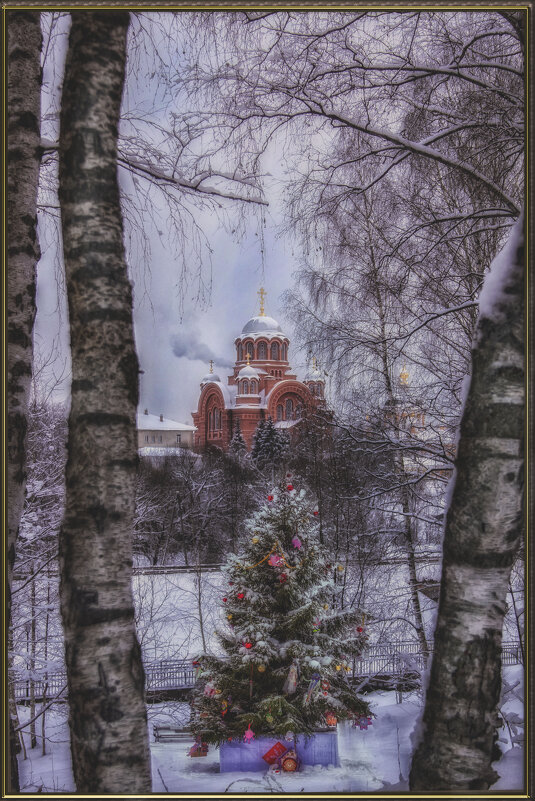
x,y
261,325
314,375
248,372
210,377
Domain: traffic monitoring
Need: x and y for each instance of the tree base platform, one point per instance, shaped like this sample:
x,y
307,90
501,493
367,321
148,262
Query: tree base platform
x,y
320,749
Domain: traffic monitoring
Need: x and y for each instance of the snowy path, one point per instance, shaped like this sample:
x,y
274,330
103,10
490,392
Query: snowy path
x,y
369,759
376,760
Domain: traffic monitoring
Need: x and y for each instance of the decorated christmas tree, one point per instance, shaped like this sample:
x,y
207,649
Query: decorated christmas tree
x,y
288,643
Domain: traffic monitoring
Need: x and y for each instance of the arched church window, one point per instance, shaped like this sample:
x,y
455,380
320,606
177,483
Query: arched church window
x,y
285,353
249,349
217,424
240,352
275,351
279,411
253,387
289,409
262,350
245,387
210,420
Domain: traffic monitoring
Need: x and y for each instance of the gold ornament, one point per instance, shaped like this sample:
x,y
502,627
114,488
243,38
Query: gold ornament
x,y
254,540
229,617
338,667
261,668
325,606
341,568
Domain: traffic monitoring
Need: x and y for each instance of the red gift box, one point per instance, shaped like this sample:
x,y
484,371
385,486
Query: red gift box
x,y
274,753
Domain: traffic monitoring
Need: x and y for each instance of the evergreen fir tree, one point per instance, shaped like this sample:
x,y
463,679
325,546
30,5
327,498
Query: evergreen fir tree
x,y
237,448
270,445
258,439
287,642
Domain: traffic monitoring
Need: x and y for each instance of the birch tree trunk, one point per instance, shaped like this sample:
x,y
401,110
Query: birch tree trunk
x,y
24,99
108,723
482,536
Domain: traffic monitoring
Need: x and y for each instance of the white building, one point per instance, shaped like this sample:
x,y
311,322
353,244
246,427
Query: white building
x,y
157,431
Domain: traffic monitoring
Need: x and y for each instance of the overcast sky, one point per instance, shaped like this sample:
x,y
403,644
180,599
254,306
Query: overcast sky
x,y
163,326
175,334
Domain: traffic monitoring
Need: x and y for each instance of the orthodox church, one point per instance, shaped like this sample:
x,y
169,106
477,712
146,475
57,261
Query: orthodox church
x,y
262,385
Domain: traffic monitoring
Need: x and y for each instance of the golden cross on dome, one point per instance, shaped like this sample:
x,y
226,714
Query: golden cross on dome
x,y
262,292
404,377
248,357
314,363
211,365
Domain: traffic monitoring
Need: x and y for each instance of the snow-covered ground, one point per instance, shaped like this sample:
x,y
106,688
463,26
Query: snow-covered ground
x,y
374,760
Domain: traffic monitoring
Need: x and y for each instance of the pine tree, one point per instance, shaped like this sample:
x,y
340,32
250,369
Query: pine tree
x,y
270,445
287,642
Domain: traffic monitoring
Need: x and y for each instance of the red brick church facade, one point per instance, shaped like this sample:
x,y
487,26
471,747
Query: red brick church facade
x,y
261,386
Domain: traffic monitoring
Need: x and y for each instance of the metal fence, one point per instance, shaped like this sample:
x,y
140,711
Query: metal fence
x,y
387,659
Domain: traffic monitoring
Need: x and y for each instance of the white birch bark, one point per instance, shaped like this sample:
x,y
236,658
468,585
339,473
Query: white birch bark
x,y
108,723
482,536
24,105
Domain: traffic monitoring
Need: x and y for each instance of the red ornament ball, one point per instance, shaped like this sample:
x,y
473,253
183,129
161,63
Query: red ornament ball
x,y
248,645
316,513
270,497
241,595
290,487
360,629
283,578
224,600
288,475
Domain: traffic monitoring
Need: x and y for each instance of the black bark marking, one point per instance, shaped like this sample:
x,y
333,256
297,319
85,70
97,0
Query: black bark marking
x,y
82,385
105,315
104,419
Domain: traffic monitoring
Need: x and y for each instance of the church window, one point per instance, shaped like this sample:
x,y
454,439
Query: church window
x,y
146,437
153,438
210,421
245,387
262,350
249,349
240,352
253,387
275,351
279,411
289,409
285,353
178,436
